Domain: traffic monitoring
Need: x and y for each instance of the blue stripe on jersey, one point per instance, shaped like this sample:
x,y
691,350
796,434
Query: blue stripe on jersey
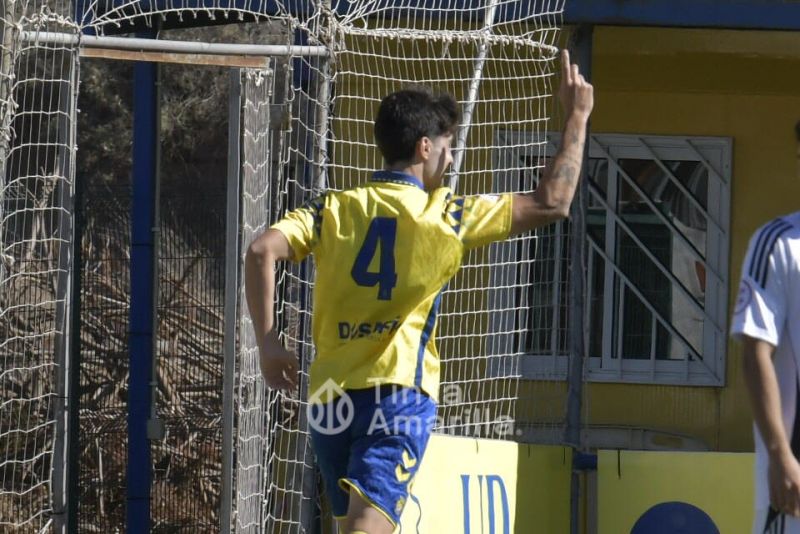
x,y
427,330
317,206
759,263
395,177
773,519
457,214
314,206
764,272
751,271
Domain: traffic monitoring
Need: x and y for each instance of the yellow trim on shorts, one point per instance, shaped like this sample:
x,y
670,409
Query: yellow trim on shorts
x,y
346,484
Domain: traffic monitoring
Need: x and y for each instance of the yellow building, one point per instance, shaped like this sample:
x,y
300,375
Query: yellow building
x,y
741,85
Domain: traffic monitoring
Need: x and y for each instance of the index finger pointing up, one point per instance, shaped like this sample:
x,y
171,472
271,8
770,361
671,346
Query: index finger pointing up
x,y
566,71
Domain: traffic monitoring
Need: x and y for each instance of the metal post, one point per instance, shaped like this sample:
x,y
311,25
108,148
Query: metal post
x,y
169,46
323,98
155,425
232,245
143,258
74,368
67,346
578,306
472,96
73,331
319,87
8,57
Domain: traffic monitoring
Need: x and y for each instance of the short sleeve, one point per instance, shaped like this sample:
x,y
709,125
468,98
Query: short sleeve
x,y
761,305
480,219
302,227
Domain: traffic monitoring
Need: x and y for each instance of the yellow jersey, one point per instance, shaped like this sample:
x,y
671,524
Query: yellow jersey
x,y
384,252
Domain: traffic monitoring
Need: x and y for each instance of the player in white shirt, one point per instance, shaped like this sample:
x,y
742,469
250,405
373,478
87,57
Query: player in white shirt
x,y
767,321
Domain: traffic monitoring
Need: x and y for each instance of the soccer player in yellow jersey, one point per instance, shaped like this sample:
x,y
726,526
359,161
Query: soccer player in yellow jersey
x,y
383,253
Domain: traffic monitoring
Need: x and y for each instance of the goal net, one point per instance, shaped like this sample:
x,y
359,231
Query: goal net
x,y
497,59
306,128
37,128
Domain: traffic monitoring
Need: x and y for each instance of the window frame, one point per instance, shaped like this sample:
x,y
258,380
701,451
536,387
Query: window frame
x,y
715,154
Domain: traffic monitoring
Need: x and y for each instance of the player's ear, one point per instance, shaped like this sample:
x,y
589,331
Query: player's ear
x,y
424,147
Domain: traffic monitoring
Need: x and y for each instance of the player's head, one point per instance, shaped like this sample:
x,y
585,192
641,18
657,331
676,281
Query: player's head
x,y
416,126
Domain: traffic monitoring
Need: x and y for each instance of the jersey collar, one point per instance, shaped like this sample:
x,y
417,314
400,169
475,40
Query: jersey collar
x,y
395,177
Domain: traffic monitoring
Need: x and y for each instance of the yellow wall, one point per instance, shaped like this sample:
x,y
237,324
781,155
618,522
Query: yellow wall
x,y
632,482
743,85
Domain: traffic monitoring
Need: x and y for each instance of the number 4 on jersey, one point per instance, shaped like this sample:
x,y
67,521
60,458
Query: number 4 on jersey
x,y
381,230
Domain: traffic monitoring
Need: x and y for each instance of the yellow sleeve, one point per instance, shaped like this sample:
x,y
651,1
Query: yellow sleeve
x,y
302,227
480,219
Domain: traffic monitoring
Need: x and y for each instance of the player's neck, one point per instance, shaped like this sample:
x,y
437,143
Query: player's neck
x,y
407,168
416,169
413,169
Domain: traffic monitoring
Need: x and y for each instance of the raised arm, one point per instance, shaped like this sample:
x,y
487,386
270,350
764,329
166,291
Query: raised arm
x,y
553,196
278,366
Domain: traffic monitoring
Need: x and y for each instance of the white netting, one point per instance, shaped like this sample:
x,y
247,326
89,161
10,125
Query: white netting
x,y
497,61
276,485
37,112
253,423
307,126
492,316
272,444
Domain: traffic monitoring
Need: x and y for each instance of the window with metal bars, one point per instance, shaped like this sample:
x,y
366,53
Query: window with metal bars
x,y
657,236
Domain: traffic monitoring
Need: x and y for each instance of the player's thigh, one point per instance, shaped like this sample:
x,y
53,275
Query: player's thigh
x,y
332,456
387,454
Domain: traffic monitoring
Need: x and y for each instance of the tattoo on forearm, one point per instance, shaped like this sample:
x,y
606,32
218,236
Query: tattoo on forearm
x,y
567,156
565,172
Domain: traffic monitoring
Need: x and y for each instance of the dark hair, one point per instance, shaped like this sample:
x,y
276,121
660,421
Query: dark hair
x,y
406,116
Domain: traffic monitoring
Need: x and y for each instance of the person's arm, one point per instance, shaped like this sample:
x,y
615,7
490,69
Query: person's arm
x,y
553,196
765,400
278,366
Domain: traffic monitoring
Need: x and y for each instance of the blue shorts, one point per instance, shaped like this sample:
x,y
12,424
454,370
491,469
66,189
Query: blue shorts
x,y
373,446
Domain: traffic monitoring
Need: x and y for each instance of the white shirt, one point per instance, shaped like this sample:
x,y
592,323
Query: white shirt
x,y
768,308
